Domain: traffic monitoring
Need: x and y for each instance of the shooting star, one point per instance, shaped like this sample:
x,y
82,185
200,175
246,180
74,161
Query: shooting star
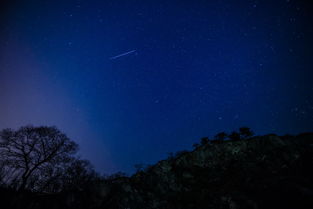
x,y
121,55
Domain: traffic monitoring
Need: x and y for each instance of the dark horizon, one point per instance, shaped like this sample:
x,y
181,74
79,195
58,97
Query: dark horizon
x,y
181,71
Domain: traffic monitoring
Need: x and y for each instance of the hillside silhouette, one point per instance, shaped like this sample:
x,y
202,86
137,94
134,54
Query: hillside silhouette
x,y
231,171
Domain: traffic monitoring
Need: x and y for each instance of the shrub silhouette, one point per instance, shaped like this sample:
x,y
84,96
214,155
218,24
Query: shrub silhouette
x,y
234,136
195,145
180,153
170,156
204,140
139,167
245,132
219,138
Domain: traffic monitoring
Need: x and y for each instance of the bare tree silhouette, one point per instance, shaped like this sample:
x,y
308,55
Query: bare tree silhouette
x,y
32,155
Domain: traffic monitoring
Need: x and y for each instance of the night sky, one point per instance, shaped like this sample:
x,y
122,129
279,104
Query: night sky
x,y
131,81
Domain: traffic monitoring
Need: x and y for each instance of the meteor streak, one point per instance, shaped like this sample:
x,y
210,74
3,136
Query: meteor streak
x,y
121,55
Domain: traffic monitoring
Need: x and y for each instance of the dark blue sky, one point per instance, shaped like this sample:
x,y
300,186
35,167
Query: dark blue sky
x,y
200,67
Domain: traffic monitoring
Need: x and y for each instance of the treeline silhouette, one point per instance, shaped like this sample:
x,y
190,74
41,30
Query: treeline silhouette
x,y
40,168
42,159
244,133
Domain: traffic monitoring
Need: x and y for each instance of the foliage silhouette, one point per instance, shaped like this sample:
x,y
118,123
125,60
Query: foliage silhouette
x,y
235,136
195,145
139,167
245,132
220,136
204,141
